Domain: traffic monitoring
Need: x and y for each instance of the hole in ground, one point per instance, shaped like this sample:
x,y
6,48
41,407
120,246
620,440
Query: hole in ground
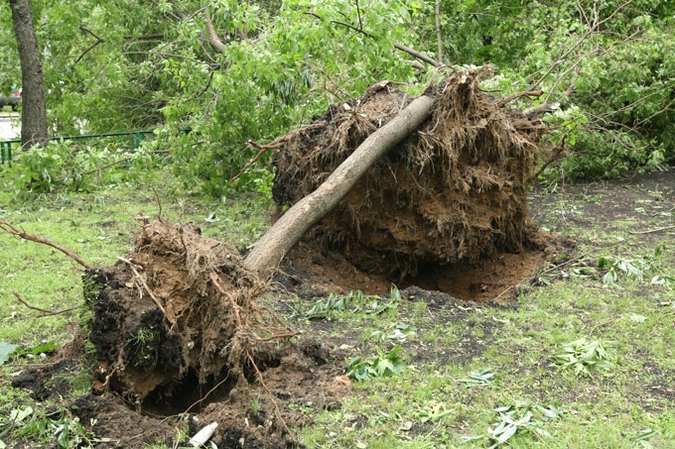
x,y
263,361
178,397
481,281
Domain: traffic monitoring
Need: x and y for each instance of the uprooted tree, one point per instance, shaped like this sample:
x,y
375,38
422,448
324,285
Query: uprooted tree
x,y
392,180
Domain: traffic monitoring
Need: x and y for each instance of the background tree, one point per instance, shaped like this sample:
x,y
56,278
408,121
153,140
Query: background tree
x,y
609,67
34,112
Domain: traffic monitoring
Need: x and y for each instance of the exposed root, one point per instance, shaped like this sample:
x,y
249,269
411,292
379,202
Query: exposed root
x,y
269,393
154,298
453,191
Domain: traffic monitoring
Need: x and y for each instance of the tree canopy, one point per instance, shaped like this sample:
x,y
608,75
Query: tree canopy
x,y
208,77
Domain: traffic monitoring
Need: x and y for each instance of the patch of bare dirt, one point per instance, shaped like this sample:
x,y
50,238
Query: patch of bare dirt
x,y
639,209
312,270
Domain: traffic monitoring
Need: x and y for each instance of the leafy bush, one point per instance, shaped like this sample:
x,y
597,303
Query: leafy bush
x,y
70,166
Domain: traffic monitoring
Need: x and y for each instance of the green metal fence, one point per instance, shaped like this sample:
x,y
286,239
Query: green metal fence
x,y
136,138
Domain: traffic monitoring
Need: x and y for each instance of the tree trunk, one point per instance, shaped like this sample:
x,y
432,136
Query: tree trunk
x,y
273,246
34,112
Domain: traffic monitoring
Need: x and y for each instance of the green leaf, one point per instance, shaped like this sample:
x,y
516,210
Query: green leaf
x,y
637,317
645,434
5,350
18,415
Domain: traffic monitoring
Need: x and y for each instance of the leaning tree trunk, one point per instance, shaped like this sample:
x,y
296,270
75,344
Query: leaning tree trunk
x,y
34,112
273,246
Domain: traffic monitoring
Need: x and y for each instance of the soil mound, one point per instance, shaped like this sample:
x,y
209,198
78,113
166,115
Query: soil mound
x,y
180,304
453,192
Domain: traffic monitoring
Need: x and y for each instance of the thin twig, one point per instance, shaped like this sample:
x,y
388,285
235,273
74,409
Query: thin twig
x,y
358,13
92,46
650,231
235,307
147,288
45,311
269,393
159,205
263,149
13,230
403,48
552,158
112,164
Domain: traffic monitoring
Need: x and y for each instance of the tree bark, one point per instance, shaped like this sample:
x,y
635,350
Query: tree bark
x,y
285,233
33,111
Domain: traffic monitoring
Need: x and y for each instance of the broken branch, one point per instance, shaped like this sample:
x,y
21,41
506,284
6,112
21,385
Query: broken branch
x,y
527,93
13,230
44,311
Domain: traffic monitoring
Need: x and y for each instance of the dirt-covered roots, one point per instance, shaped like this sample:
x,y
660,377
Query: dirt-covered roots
x,y
453,191
179,308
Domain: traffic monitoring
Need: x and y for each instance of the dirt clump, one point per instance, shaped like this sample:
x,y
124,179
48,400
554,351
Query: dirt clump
x,y
159,314
451,195
177,331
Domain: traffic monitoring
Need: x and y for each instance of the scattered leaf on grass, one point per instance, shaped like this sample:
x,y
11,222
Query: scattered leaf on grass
x,y
637,317
5,350
481,378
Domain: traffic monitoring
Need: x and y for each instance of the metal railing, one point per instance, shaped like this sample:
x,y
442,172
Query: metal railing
x,y
136,138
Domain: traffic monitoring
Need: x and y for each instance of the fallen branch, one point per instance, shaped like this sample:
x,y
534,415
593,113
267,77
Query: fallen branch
x,y
527,93
651,231
273,246
13,230
45,311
